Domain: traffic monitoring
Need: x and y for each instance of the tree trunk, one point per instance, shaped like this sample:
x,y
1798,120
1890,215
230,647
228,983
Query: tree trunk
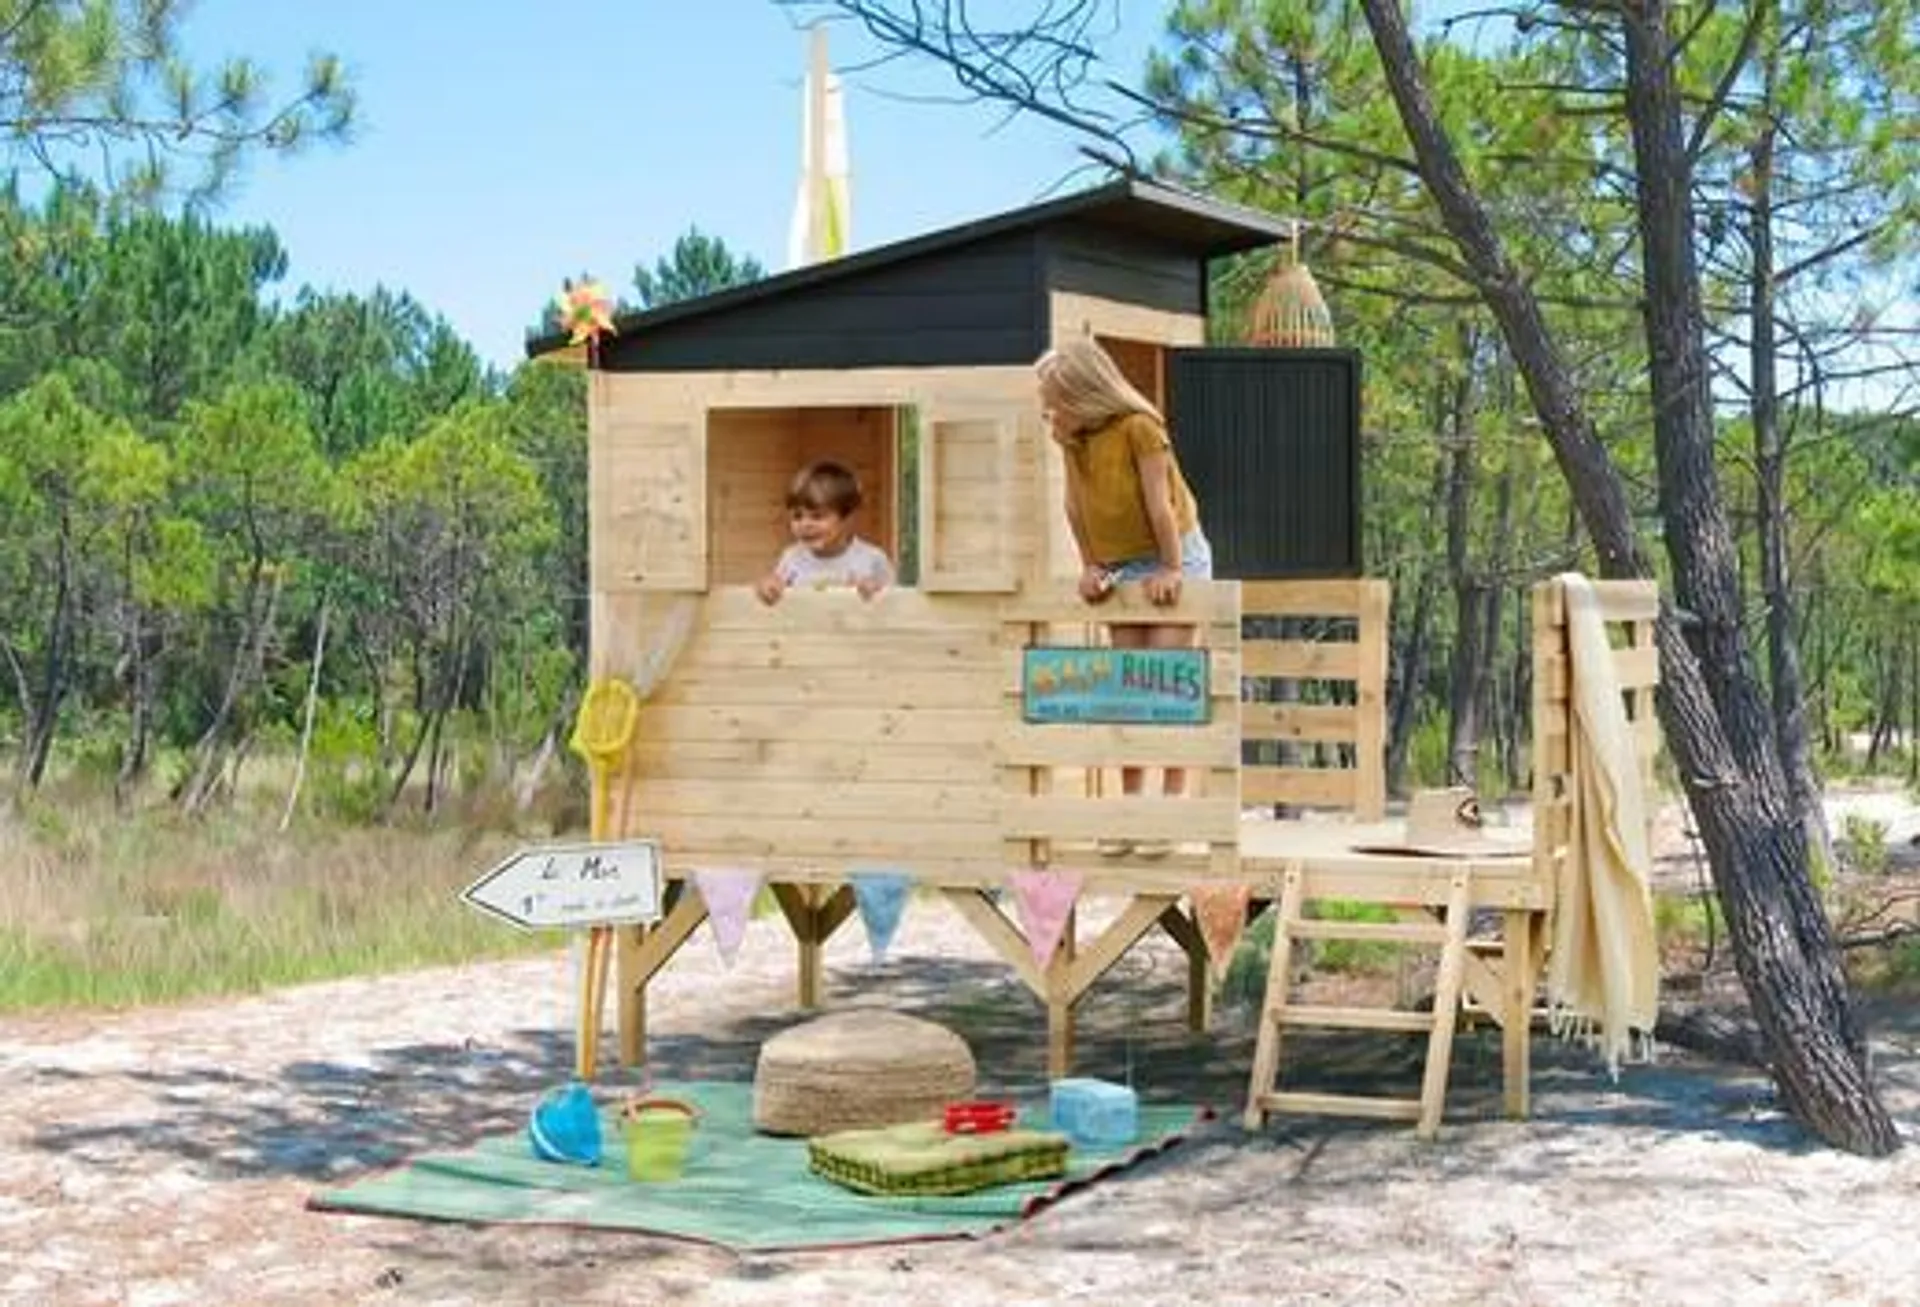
x,y
412,758
1520,683
1912,738
1493,588
1783,943
212,750
133,763
1770,475
1463,672
1722,742
529,787
306,723
1412,682
44,721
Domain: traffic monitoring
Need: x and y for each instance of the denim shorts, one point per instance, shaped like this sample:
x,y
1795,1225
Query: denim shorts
x,y
1196,561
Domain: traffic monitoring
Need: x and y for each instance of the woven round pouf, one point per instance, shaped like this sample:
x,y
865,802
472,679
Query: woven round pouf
x,y
856,1070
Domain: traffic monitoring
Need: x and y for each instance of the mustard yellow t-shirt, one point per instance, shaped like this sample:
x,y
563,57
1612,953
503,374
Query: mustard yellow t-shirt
x,y
1103,470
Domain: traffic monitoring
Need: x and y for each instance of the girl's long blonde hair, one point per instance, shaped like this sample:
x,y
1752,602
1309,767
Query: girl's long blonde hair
x,y
1081,382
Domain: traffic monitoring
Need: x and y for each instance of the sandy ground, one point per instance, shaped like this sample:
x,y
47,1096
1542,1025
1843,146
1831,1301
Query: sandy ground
x,y
165,1156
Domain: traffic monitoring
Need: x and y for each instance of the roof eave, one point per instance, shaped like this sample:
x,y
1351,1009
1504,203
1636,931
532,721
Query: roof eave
x,y
1242,229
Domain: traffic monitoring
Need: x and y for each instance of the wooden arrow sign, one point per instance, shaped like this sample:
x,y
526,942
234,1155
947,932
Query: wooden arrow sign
x,y
573,885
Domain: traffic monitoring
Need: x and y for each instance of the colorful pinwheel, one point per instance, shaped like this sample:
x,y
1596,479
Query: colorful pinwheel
x,y
586,311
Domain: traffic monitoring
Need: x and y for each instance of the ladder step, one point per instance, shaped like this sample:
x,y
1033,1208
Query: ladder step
x,y
1397,932
1353,1018
1382,1109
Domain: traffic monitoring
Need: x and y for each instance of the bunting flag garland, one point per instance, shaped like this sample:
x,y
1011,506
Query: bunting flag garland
x,y
729,898
882,897
1220,912
1044,901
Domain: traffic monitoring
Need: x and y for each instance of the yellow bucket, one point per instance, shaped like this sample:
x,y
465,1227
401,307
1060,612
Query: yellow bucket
x,y
659,1132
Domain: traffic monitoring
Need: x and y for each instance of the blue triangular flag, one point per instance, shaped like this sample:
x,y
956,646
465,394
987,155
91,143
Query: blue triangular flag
x,y
882,897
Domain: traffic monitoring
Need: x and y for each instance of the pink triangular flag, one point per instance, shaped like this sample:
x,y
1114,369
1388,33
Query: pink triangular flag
x,y
1220,912
729,899
1044,900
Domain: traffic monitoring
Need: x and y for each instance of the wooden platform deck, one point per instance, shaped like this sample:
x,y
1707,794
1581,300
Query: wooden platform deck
x,y
1336,854
957,797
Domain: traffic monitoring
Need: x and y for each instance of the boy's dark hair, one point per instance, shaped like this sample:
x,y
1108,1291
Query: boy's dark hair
x,y
825,486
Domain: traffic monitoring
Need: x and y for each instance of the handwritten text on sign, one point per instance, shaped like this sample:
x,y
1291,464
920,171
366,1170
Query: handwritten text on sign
x,y
573,885
1150,686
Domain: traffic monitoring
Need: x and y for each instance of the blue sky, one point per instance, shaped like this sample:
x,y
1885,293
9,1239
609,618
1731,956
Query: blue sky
x,y
504,145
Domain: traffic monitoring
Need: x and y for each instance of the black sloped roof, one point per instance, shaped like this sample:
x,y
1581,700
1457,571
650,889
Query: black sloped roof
x,y
1152,240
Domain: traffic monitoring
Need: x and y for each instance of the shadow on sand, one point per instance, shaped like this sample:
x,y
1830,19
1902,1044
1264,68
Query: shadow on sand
x,y
330,1121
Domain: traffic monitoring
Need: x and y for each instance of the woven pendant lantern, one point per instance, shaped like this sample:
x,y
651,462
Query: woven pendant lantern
x,y
1290,313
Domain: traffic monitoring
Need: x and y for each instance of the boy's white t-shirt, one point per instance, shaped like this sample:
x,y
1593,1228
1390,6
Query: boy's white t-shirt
x,y
859,561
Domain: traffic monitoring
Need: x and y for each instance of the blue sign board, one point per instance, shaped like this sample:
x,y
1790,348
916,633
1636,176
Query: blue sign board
x,y
1127,686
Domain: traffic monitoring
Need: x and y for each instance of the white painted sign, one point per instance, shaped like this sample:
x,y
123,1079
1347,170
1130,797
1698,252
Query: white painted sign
x,y
573,885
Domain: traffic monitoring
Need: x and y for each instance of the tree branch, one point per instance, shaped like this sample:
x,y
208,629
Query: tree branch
x,y
1723,89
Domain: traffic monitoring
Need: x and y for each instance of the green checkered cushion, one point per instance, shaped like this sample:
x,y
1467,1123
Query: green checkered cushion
x,y
920,1159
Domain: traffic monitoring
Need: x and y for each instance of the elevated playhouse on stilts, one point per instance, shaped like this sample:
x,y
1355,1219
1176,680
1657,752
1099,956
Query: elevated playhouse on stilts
x,y
828,737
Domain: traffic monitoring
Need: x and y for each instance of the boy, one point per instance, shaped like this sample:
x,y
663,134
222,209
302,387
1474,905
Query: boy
x,y
825,551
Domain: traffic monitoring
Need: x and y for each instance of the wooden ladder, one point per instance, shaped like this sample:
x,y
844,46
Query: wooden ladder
x,y
1277,1012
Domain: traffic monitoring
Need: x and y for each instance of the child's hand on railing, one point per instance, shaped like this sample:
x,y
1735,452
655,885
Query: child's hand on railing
x,y
1163,587
770,587
1096,583
868,586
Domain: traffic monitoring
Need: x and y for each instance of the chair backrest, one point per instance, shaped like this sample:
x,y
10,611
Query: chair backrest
x,y
1313,710
1629,609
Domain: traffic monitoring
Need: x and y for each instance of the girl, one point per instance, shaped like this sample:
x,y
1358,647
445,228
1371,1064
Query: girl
x,y
1132,514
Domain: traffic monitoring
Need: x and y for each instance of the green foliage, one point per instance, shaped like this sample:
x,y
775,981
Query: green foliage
x,y
1246,981
1687,921
699,265
187,500
1863,842
81,75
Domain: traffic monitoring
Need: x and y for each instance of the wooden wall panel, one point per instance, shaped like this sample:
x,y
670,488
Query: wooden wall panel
x,y
647,506
828,727
752,454
972,534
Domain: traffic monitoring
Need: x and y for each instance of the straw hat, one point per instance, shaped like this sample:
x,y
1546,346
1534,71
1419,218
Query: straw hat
x,y
1447,824
859,1069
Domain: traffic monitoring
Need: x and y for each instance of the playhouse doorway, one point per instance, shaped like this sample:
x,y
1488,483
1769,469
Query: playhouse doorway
x,y
1142,362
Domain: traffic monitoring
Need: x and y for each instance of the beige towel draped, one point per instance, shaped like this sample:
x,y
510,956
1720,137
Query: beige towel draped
x,y
1604,966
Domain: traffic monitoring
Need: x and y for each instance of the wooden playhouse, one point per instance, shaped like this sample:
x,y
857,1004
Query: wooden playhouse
x,y
829,736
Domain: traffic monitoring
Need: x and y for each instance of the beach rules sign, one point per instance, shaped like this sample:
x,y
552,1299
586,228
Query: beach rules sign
x,y
1155,687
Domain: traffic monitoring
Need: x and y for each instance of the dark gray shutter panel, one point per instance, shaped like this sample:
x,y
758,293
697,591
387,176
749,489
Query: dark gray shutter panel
x,y
1270,441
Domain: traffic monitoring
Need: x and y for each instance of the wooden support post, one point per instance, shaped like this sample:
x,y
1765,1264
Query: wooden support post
x,y
1121,934
813,913
1516,1035
643,951
1370,693
1182,930
632,1001
1060,1001
991,924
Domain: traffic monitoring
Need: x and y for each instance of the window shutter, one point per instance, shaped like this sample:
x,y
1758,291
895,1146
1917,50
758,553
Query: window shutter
x,y
976,515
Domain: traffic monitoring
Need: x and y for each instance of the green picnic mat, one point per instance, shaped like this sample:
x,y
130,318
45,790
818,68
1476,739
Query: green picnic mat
x,y
741,1189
